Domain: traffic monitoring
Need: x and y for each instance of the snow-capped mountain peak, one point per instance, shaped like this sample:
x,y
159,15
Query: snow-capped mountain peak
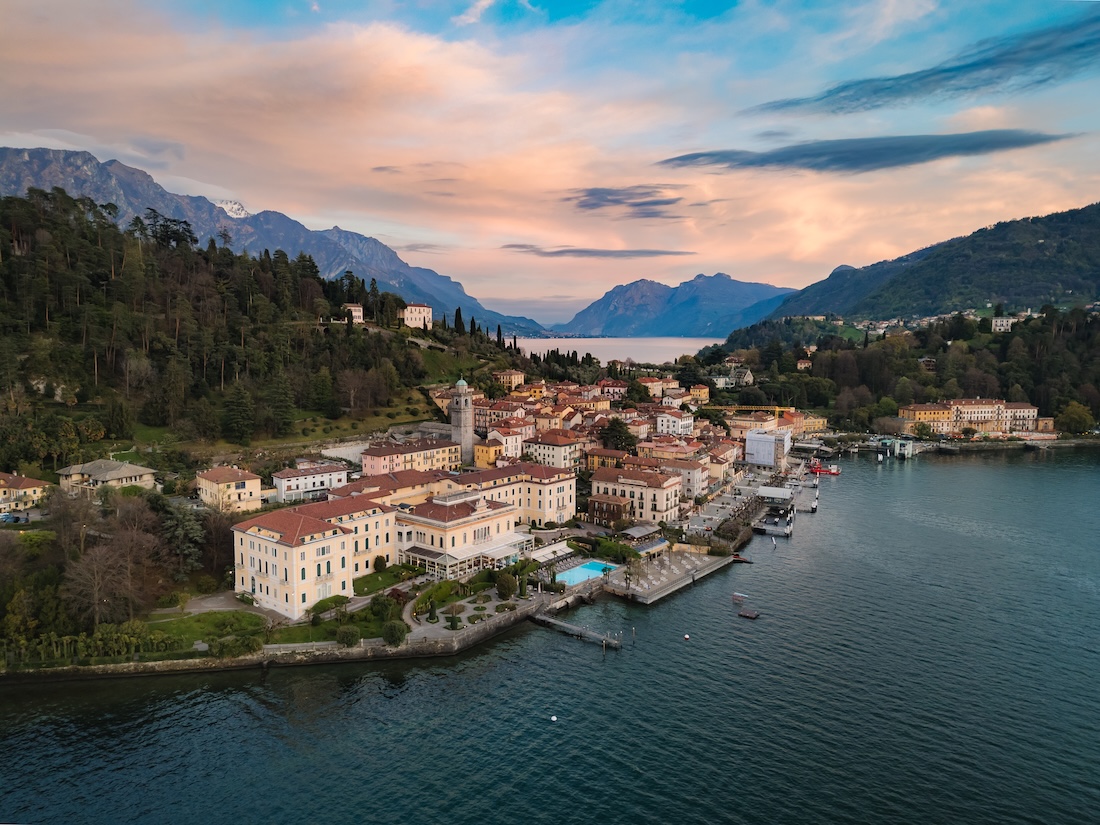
x,y
234,209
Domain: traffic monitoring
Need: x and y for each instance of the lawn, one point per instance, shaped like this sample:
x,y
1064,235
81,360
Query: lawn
x,y
374,582
210,626
369,628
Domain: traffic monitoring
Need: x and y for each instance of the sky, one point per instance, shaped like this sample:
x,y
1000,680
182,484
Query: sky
x,y
543,151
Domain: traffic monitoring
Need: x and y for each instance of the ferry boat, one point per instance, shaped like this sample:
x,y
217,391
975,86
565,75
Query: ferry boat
x,y
817,468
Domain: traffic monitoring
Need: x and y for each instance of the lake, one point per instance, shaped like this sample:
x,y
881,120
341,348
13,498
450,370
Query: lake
x,y
926,652
641,350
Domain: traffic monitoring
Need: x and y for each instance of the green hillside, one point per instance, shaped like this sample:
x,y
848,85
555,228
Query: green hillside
x,y
1029,262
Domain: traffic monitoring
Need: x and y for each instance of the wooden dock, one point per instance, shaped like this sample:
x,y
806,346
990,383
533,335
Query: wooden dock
x,y
587,634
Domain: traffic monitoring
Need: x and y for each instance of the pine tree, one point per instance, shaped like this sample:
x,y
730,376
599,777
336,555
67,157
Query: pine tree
x,y
500,337
460,327
239,418
280,401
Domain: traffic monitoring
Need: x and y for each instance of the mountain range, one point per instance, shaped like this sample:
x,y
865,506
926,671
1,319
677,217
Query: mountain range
x,y
1028,262
334,250
705,305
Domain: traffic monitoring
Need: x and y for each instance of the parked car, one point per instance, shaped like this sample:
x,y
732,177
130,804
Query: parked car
x,y
8,518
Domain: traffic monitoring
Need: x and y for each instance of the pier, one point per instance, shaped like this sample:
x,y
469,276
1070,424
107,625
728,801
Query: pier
x,y
650,581
587,634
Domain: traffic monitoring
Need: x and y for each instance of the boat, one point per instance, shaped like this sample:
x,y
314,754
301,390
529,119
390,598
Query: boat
x,y
817,468
749,614
737,597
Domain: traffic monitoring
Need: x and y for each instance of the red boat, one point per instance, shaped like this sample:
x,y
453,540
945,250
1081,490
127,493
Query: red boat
x,y
820,469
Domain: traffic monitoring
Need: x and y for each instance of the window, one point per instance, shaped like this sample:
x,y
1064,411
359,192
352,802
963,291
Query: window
x,y
318,568
343,562
303,574
303,598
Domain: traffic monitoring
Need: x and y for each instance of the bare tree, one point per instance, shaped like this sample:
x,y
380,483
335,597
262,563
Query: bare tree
x,y
353,386
95,584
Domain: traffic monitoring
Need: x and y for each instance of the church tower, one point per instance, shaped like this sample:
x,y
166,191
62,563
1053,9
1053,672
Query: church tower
x,y
462,421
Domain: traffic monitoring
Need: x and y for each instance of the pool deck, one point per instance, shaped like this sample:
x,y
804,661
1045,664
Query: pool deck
x,y
664,576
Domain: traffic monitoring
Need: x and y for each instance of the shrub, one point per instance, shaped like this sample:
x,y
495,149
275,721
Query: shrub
x,y
246,598
232,646
206,584
315,619
506,586
348,635
394,632
379,564
305,430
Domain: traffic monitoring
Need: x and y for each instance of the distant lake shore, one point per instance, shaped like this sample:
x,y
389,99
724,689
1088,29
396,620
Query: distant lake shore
x,y
654,350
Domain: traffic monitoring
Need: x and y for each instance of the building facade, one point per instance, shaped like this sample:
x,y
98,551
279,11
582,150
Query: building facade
x,y
18,493
305,483
88,478
229,490
416,316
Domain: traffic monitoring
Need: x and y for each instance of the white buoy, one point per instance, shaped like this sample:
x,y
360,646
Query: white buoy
x,y
686,637
553,719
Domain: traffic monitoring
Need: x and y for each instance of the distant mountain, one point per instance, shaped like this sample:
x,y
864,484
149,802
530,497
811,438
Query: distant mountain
x,y
705,305
334,250
1028,262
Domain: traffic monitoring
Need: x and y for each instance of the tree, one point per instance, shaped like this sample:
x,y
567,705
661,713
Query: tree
x,y
239,417
1075,418
506,585
617,436
379,564
637,392
94,583
183,538
280,404
394,632
348,635
460,327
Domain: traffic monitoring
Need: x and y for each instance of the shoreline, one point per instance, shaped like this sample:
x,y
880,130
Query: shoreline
x,y
370,650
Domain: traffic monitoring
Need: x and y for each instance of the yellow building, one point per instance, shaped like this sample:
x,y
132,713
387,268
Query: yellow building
x,y
229,490
509,379
487,454
700,394
20,493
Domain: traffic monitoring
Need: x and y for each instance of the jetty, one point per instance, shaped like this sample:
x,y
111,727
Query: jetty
x,y
585,633
650,580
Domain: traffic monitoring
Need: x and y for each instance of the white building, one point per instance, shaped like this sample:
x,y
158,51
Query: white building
x,y
767,448
417,316
305,483
556,448
675,422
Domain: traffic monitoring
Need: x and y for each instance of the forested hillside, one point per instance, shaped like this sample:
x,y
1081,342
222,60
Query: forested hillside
x,y
1052,361
1053,259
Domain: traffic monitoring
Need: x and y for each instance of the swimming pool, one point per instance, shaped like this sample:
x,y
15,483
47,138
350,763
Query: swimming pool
x,y
588,570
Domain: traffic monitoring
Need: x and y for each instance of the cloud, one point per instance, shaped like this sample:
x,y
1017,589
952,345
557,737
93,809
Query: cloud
x,y
867,154
473,14
580,252
425,248
640,201
389,170
1015,63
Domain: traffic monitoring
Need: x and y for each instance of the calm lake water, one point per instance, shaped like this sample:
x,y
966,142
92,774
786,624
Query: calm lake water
x,y
928,651
642,350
